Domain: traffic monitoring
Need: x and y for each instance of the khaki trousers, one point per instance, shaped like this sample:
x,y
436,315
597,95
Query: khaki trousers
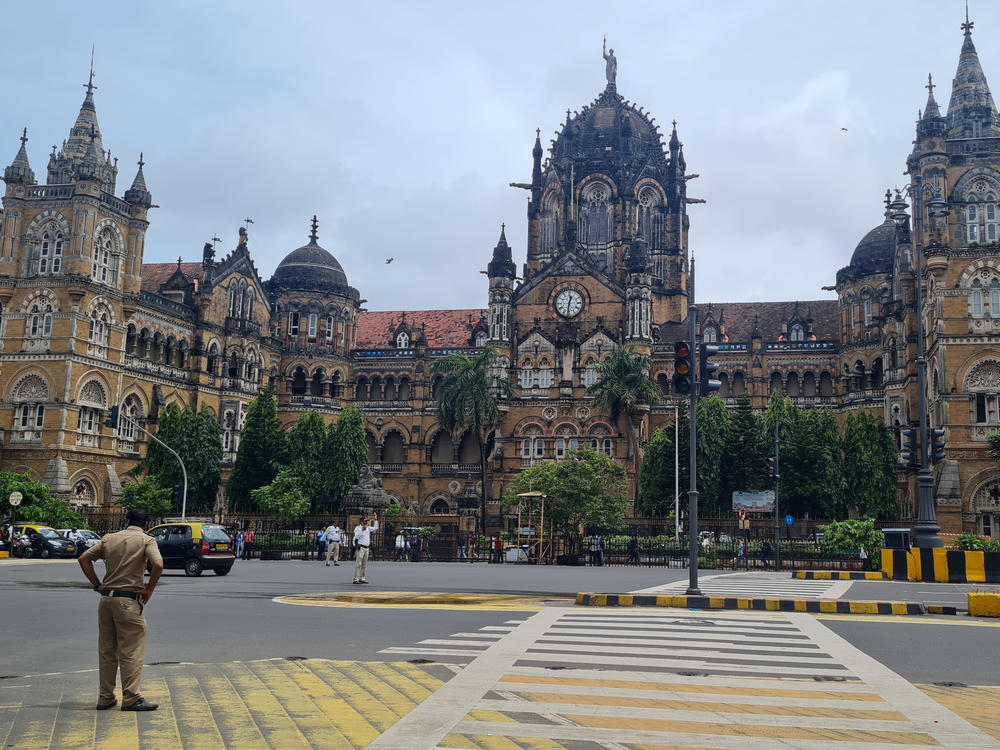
x,y
121,645
333,550
361,563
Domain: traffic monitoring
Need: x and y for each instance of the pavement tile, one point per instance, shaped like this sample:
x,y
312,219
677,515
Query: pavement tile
x,y
980,706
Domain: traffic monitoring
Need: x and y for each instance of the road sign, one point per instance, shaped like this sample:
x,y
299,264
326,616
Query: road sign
x,y
742,513
15,498
789,520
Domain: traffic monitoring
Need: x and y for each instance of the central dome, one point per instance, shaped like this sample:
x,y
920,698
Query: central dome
x,y
311,268
875,252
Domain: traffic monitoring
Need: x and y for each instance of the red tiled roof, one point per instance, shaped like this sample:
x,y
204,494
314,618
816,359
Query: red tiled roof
x,y
154,275
443,328
739,317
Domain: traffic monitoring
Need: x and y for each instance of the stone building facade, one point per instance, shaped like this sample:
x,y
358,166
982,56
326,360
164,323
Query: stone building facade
x,y
87,324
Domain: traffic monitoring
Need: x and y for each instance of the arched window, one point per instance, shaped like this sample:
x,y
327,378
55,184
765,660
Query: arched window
x,y
393,451
711,335
981,214
868,312
995,298
402,340
40,321
596,216
50,250
545,378
798,333
590,376
104,256
977,298
98,333
29,397
527,377
550,225
481,338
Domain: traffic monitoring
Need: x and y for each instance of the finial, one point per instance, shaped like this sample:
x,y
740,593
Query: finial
x,y
248,221
888,198
53,148
24,137
214,240
141,162
930,84
538,133
313,236
90,81
967,26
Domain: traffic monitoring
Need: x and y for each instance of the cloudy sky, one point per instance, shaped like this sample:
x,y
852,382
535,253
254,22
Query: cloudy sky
x,y
400,124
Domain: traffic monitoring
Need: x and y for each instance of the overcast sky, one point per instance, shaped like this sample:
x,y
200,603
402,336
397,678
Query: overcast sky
x,y
400,124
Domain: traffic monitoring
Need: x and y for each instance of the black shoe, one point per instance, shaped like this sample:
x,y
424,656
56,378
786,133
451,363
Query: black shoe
x,y
337,564
141,705
362,581
328,565
356,581
106,706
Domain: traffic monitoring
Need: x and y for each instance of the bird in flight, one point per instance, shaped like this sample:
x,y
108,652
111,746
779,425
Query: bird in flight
x,y
389,260
844,129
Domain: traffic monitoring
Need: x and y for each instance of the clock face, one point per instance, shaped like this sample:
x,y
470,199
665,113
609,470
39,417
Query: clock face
x,y
569,303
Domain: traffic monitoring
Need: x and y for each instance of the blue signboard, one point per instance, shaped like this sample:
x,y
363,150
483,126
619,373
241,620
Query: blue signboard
x,y
789,520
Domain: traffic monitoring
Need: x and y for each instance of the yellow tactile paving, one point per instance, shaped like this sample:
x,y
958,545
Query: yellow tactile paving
x,y
714,706
980,706
633,723
276,704
681,687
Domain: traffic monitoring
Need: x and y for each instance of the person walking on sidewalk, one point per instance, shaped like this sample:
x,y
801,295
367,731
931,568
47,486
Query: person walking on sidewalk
x,y
765,554
362,545
741,555
247,543
121,641
334,536
400,546
633,551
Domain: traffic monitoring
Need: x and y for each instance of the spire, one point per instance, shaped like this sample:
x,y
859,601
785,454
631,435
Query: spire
x,y
20,169
314,235
503,261
90,164
932,109
138,194
85,128
971,111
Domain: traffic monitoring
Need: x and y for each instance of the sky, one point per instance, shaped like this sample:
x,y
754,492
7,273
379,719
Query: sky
x,y
401,124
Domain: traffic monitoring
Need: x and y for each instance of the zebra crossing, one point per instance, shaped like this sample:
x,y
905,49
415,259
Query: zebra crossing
x,y
591,679
756,584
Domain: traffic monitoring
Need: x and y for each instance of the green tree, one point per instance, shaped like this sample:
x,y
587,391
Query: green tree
x,y
840,536
744,464
37,505
469,400
656,476
149,495
870,467
585,489
713,436
261,451
993,445
624,389
283,498
307,451
196,439
347,452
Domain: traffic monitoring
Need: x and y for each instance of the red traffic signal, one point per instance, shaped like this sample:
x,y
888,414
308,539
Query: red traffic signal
x,y
683,368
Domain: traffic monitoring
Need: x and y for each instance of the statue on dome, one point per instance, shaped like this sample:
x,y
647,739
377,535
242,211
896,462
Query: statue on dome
x,y
611,68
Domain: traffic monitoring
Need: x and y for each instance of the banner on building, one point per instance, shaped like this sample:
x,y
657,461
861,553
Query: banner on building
x,y
754,502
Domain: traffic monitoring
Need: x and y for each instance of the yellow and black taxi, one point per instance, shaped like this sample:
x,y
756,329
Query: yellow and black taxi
x,y
45,541
193,546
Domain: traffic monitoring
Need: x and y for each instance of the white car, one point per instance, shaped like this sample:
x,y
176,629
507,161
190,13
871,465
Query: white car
x,y
89,537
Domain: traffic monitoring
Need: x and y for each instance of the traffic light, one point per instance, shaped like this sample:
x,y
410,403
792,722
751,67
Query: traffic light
x,y
772,471
707,383
178,496
683,369
112,420
909,453
937,445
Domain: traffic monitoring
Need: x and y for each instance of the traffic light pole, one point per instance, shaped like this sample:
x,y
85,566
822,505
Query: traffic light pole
x,y
173,452
777,481
694,542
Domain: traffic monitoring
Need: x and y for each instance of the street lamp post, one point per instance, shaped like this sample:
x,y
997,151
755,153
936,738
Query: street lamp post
x,y
14,500
925,532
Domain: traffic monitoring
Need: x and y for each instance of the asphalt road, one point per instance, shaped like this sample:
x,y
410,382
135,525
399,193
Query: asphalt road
x,y
49,622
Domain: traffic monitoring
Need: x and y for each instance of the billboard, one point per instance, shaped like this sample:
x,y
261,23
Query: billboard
x,y
754,502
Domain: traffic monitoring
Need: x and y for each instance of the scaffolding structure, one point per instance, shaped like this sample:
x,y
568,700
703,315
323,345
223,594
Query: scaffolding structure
x,y
531,508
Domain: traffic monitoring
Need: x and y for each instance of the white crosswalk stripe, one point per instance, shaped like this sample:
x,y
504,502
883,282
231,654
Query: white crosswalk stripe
x,y
752,585
590,678
459,646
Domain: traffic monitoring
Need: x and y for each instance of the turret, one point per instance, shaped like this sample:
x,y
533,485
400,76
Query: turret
x,y
138,195
971,111
501,272
20,170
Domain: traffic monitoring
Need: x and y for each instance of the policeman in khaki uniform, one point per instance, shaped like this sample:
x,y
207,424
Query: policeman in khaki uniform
x,y
122,628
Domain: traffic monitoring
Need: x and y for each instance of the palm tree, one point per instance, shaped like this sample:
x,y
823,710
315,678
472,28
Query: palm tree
x,y
624,388
469,399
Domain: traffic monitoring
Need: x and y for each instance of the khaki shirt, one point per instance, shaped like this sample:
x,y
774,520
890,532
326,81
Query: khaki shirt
x,y
125,554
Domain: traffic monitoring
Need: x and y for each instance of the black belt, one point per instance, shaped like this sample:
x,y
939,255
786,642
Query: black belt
x,y
127,594
366,546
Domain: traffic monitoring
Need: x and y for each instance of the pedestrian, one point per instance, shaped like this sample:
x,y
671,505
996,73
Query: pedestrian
x,y
765,554
362,544
594,549
400,546
77,538
247,544
498,549
334,536
121,626
741,554
600,550
239,543
463,547
633,551
320,540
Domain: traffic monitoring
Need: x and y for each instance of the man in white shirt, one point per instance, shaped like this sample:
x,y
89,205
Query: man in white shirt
x,y
333,539
363,543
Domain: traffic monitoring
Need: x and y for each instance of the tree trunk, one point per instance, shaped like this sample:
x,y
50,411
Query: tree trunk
x,y
482,474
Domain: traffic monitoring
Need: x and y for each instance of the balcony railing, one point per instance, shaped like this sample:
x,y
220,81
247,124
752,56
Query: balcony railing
x,y
242,326
50,191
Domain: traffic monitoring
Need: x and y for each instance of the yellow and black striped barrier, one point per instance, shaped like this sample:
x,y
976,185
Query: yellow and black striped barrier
x,y
817,606
941,565
840,575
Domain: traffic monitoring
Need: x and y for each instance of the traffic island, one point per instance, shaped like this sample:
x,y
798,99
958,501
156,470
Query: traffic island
x,y
840,575
814,606
941,565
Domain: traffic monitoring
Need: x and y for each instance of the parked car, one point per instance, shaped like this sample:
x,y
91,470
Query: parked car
x,y
45,541
89,537
193,547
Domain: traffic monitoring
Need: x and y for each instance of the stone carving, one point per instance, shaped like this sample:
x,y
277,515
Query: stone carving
x,y
985,376
32,388
92,393
611,64
367,495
